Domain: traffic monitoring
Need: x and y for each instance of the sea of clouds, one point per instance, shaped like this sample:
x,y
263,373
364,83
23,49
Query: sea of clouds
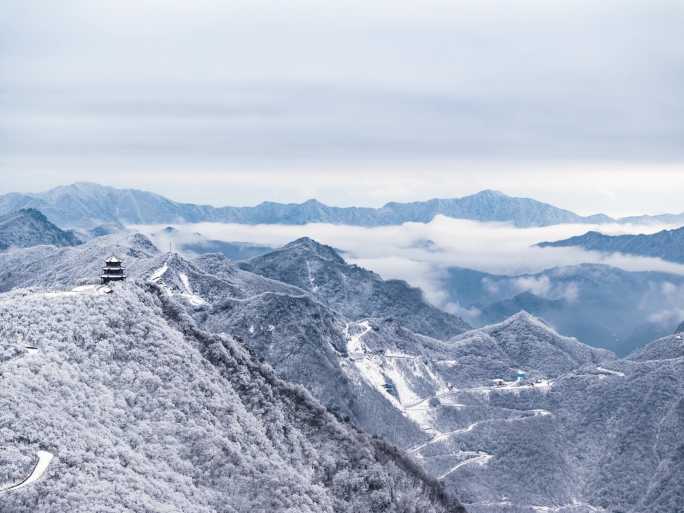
x,y
420,253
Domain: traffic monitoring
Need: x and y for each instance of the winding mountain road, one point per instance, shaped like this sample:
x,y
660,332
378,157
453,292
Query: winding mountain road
x,y
481,459
44,459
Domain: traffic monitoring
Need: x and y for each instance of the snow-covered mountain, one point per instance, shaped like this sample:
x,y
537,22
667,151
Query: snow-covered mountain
x,y
131,407
501,441
59,267
87,205
528,342
352,290
601,305
29,227
423,394
512,417
666,244
665,348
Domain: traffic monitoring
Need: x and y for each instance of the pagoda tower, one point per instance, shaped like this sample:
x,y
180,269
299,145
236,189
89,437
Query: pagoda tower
x,y
112,271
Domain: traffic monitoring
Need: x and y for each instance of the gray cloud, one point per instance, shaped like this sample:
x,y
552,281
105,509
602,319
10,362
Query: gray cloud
x,y
212,88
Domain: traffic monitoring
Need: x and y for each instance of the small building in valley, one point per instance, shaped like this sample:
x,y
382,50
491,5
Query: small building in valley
x,y
113,270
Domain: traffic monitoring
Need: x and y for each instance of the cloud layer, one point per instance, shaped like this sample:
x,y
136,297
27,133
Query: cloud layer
x,y
420,253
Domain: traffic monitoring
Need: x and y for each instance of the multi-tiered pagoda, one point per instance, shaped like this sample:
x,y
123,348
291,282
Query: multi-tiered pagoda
x,y
113,270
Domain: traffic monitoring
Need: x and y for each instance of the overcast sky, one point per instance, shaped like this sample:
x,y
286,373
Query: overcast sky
x,y
578,103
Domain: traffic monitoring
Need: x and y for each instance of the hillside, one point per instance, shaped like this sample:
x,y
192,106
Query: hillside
x,y
528,342
144,412
352,290
28,227
54,267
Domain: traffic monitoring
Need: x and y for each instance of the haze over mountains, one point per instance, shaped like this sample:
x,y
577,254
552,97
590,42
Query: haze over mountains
x,y
601,305
87,205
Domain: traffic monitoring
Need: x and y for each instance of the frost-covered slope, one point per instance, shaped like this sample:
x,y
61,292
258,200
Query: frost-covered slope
x,y
305,341
666,348
143,412
579,433
355,292
53,267
528,342
492,439
28,227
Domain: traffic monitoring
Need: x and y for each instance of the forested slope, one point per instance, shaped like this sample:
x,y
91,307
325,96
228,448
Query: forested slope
x,y
146,413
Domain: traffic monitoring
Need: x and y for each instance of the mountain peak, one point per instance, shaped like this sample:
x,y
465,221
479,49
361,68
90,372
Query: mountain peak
x,y
29,227
490,193
33,213
313,202
310,245
524,317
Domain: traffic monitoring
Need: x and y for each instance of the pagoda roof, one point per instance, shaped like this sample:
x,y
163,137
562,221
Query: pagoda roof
x,y
113,260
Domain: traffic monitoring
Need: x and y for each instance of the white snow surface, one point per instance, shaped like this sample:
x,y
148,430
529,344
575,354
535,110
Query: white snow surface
x,y
81,290
354,343
193,298
609,371
157,275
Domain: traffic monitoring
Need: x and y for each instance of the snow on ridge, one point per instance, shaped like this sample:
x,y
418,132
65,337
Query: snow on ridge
x,y
187,292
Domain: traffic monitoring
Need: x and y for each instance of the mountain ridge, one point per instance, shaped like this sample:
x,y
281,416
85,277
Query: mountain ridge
x,y
352,290
29,227
665,244
87,205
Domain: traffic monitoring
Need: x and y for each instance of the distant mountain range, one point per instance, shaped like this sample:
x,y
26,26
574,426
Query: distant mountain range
x,y
88,206
28,227
666,244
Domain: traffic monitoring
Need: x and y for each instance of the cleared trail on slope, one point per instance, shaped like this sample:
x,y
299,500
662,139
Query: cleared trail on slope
x,y
446,435
44,459
481,459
